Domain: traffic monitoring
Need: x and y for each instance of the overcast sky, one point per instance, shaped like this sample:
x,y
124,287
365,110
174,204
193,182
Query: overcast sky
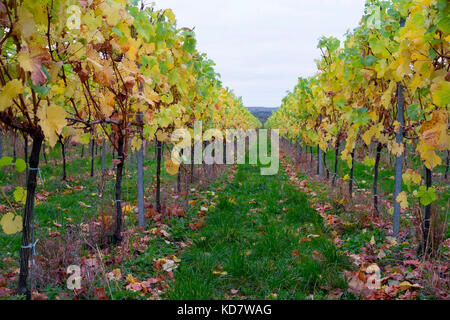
x,y
261,47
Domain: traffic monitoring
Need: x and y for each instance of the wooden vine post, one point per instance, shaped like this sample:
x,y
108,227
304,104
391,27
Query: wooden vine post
x,y
427,216
118,188
399,158
336,162
158,175
375,177
352,175
140,175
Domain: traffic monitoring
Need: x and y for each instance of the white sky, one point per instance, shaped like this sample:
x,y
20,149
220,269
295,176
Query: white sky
x,y
261,47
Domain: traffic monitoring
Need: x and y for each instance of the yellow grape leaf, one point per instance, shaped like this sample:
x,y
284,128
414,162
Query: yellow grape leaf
x,y
416,178
112,13
25,61
412,176
150,95
52,121
13,88
26,25
417,79
91,20
161,136
397,126
170,15
323,145
387,95
403,68
136,143
58,88
441,93
132,48
54,69
367,136
56,115
9,92
373,116
11,223
107,103
384,139
397,149
428,155
403,200
171,167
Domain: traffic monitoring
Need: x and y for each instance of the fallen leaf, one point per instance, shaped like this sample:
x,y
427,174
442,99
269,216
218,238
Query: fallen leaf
x,y
100,294
5,292
39,296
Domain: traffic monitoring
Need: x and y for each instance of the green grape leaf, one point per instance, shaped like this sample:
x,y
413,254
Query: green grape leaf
x,y
41,90
20,165
20,195
443,23
370,162
425,196
5,161
118,32
414,111
368,61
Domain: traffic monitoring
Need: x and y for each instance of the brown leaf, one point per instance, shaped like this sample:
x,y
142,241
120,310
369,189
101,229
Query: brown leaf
x,y
3,281
5,292
153,280
54,234
316,255
84,3
195,226
335,294
39,296
295,253
104,76
116,161
415,263
100,294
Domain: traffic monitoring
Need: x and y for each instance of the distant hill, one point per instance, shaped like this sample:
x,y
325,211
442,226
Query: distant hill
x,y
262,113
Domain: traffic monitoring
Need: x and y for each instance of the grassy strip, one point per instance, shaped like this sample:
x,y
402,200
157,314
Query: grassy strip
x,y
261,241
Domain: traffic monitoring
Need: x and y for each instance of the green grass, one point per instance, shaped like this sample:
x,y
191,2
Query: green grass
x,y
255,248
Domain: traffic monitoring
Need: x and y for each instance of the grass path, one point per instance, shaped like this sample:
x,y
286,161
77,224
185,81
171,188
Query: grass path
x,y
261,241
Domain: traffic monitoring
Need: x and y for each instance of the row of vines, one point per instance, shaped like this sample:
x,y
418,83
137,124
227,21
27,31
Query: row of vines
x,y
386,89
108,71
